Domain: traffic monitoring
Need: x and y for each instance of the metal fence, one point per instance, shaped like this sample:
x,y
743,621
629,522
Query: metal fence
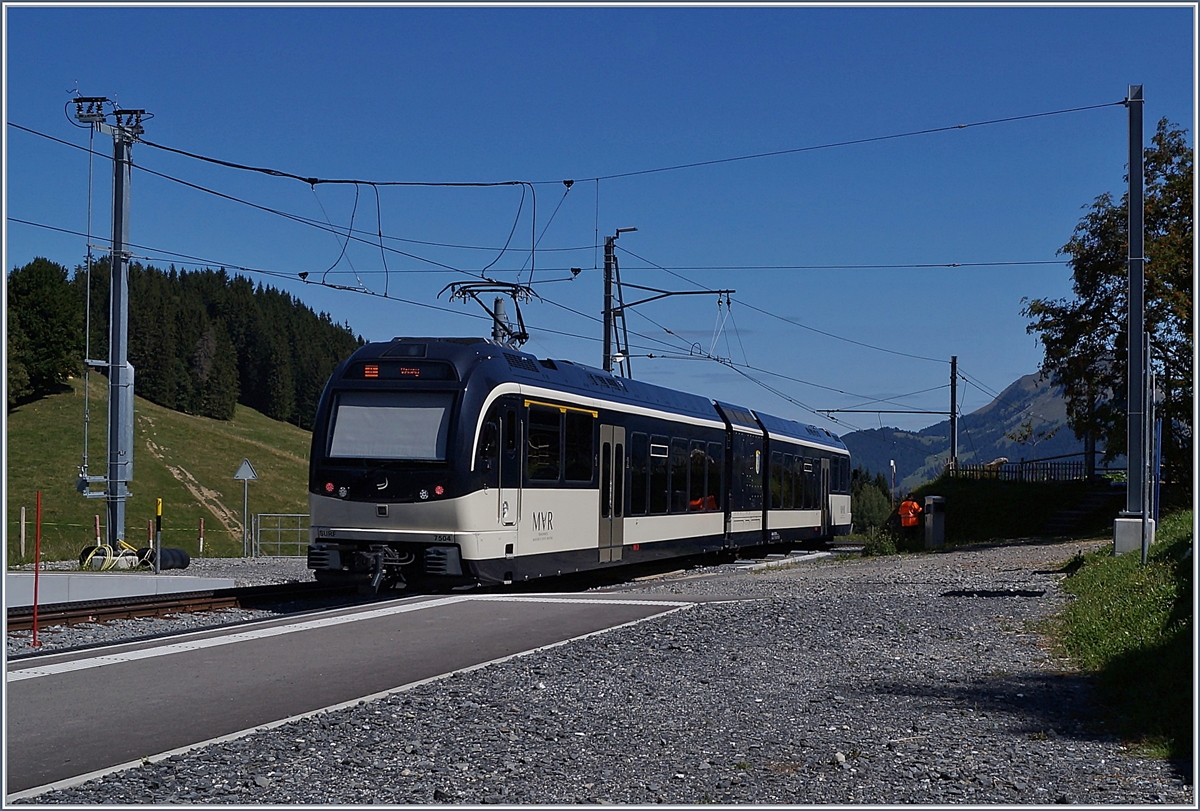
x,y
1023,471
280,534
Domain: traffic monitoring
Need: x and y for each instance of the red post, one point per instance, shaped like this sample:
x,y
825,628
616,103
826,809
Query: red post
x,y
37,564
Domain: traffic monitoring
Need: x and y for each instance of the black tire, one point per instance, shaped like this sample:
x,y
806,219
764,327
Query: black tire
x,y
173,558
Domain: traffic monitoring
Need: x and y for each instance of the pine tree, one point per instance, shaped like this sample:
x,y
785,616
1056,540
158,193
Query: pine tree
x,y
43,309
201,341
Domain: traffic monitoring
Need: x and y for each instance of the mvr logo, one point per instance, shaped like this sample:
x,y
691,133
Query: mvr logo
x,y
543,522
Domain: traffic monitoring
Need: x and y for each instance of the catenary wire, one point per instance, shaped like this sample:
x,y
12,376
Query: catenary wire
x,y
675,167
851,142
672,270
792,321
376,184
292,277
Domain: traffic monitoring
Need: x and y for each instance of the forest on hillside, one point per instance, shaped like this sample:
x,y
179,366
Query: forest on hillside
x,y
200,342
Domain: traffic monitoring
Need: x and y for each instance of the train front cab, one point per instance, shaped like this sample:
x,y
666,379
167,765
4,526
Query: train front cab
x,y
389,485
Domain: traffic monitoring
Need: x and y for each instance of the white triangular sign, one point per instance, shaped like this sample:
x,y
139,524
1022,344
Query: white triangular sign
x,y
245,472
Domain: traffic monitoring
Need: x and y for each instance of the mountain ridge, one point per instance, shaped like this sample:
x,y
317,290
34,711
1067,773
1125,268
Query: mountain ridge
x,y
1029,405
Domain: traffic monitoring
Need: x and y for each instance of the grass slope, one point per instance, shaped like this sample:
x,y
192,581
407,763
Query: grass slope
x,y
1131,625
186,461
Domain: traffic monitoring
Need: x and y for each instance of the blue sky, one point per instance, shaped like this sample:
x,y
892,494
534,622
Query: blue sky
x,y
824,237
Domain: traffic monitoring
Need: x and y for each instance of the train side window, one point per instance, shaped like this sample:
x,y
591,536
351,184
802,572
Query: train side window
x,y
618,480
659,480
697,476
639,469
788,502
543,451
605,477
580,456
679,472
776,480
716,469
489,443
510,430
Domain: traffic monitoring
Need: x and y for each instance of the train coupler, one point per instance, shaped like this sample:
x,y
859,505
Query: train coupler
x,y
383,564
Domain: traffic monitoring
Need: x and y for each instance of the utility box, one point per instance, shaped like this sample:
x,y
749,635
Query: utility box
x,y
935,522
1127,534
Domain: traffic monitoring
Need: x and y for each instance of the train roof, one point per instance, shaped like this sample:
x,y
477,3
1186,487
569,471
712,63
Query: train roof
x,y
739,417
561,374
799,430
584,379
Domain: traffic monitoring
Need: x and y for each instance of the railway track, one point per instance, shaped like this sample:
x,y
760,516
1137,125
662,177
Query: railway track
x,y
153,605
100,611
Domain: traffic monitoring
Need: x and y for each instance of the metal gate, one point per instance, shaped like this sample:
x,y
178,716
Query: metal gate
x,y
280,534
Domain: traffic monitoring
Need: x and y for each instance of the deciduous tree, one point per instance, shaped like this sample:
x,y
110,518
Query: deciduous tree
x,y
1084,337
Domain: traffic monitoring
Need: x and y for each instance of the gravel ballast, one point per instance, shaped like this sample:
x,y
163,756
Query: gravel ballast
x,y
907,679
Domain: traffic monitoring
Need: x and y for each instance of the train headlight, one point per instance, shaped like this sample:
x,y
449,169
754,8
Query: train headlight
x,y
328,487
439,490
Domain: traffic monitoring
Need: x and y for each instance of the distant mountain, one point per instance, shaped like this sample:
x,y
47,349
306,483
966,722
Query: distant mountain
x,y
983,435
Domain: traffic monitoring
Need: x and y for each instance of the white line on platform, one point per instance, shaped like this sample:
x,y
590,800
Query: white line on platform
x,y
279,630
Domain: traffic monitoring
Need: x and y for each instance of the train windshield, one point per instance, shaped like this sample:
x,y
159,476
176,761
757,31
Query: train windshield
x,y
391,425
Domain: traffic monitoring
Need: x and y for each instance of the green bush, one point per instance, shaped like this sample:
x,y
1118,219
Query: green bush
x,y
870,509
985,510
878,544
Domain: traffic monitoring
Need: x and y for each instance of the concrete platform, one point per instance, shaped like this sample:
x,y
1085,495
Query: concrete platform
x,y
76,587
223,683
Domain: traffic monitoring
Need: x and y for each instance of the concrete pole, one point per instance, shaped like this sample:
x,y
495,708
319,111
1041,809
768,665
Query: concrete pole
x,y
1136,385
1130,530
954,412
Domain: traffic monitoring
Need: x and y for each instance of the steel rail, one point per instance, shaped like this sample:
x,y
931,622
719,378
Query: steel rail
x,y
158,605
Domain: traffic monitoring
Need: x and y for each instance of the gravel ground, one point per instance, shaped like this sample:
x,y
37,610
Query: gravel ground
x,y
909,679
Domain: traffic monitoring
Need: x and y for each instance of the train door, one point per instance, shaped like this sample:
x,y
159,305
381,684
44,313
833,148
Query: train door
x,y
612,492
826,523
508,503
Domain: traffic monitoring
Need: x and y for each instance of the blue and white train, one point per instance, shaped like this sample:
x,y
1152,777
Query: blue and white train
x,y
461,461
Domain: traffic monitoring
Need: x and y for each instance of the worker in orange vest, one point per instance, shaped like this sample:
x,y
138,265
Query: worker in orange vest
x,y
910,512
